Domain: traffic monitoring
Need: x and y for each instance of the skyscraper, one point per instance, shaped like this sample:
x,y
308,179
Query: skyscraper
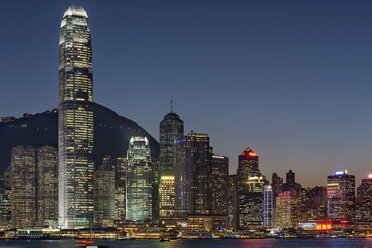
x,y
283,210
341,199
139,180
218,180
75,121
192,166
47,186
23,183
166,197
171,129
364,202
232,194
250,191
268,207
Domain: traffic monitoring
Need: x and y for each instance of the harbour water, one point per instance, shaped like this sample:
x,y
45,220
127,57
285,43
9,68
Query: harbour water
x,y
224,243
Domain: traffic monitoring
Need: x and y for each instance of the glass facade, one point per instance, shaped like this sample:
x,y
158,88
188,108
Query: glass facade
x,y
192,167
47,186
23,182
341,199
166,197
218,179
171,129
75,121
139,180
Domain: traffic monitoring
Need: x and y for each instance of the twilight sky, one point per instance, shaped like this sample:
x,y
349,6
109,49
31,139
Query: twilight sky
x,y
291,79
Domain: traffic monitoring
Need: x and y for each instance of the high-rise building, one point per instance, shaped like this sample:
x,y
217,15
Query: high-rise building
x,y
232,195
24,189
75,121
47,186
341,199
191,167
290,184
283,210
171,129
5,199
251,204
364,202
250,191
166,197
218,180
120,188
314,204
277,185
139,180
268,207
104,197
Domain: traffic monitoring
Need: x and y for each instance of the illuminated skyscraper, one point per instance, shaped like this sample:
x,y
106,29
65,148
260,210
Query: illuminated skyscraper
x,y
23,183
75,121
120,188
192,167
268,207
364,202
341,199
283,210
171,129
47,186
166,197
232,191
104,197
218,180
250,191
139,180
5,199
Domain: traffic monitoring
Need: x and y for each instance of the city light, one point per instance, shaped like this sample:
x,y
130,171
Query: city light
x,y
340,173
252,154
370,176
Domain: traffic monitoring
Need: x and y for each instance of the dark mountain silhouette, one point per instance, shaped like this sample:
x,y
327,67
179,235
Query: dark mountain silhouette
x,y
111,134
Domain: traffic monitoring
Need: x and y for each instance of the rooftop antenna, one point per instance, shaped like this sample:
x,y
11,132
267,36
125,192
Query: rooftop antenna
x,y
171,105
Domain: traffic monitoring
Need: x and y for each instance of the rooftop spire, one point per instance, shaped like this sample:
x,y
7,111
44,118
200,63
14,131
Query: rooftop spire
x,y
171,105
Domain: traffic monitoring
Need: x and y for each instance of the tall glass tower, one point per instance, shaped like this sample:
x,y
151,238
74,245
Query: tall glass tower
x,y
171,129
75,121
139,180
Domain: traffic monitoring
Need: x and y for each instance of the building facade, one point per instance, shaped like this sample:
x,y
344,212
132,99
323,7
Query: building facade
x,y
268,207
341,199
166,197
232,195
47,186
218,180
75,121
283,210
24,187
250,191
171,129
364,202
139,180
191,167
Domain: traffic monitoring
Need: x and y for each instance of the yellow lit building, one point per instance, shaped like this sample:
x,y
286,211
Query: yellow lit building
x,y
166,197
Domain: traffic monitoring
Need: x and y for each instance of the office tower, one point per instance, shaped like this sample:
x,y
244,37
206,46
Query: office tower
x,y
171,129
23,183
139,180
166,197
250,191
277,185
232,196
364,202
120,188
47,186
75,121
283,210
5,198
268,207
191,167
290,184
248,166
314,204
218,179
251,205
104,197
341,199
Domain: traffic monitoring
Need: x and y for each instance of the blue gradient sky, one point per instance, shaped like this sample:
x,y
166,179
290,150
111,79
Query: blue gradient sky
x,y
291,79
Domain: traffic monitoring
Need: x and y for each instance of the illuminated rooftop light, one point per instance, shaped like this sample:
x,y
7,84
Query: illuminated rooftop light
x,y
252,154
341,172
